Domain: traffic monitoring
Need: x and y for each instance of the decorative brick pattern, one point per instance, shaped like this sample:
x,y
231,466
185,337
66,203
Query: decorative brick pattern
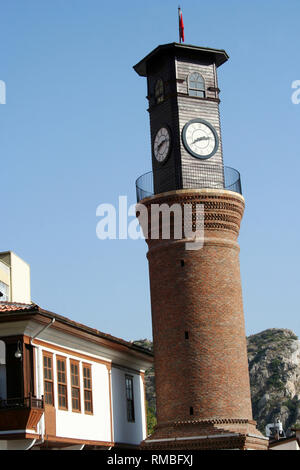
x,y
206,371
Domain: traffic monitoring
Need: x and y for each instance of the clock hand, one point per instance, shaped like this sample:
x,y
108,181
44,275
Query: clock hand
x,y
201,138
161,144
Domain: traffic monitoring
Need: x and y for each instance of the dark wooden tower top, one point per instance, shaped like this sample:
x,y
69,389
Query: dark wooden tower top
x,y
208,55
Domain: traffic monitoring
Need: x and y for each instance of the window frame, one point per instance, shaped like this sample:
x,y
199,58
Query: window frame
x,y
86,389
75,387
196,89
159,98
60,383
48,355
6,295
130,401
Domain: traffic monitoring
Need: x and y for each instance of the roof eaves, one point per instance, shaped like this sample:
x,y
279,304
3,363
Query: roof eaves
x,y
13,309
220,55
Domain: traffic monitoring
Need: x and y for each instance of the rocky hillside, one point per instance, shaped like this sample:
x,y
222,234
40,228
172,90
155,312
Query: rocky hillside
x,y
274,366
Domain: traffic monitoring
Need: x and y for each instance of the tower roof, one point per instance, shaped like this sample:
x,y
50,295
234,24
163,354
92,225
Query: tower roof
x,y
218,56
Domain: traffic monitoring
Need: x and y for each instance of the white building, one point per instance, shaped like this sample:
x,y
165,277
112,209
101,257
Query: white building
x,y
288,443
65,385
14,278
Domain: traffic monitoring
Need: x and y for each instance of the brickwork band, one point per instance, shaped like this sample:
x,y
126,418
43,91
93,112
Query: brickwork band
x,y
201,367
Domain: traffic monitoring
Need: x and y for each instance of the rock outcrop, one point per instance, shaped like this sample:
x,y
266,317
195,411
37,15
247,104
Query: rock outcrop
x,y
274,367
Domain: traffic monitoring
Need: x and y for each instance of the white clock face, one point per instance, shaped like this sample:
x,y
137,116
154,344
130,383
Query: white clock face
x,y
200,138
162,144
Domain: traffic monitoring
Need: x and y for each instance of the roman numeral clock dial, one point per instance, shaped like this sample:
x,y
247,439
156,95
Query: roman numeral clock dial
x,y
200,138
162,144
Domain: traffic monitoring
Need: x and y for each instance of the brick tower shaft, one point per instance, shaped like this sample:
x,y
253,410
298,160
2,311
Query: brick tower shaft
x,y
197,313
201,367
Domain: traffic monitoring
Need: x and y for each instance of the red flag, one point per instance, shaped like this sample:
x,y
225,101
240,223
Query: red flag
x,y
181,26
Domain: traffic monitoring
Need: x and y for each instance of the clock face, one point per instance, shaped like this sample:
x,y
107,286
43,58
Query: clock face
x,y
162,144
200,138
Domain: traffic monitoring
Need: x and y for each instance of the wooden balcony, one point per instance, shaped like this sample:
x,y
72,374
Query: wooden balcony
x,y
20,413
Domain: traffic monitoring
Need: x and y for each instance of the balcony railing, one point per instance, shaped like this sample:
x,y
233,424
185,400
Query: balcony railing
x,y
20,413
21,403
197,175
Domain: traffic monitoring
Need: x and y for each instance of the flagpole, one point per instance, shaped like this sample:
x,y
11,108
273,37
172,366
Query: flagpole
x,y
179,24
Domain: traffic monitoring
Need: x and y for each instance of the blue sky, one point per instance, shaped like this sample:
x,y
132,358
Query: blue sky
x,y
75,133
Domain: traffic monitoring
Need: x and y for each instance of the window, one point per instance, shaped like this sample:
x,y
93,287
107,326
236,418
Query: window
x,y
62,383
3,388
4,289
48,379
129,398
87,388
75,385
159,91
196,85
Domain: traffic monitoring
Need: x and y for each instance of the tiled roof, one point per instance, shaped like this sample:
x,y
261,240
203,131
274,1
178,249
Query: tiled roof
x,y
13,306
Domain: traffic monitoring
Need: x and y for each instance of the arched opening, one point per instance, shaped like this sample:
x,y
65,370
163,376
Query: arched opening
x,y
196,85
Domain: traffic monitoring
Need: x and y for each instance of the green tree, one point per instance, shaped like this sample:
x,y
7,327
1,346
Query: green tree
x,y
151,419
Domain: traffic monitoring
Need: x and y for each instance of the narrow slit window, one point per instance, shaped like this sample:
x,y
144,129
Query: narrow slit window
x,y
191,411
186,335
75,385
196,85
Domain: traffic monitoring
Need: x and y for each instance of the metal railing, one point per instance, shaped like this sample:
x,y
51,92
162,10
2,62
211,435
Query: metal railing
x,y
197,175
20,403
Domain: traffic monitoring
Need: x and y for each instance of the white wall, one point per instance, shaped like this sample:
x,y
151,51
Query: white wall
x,y
94,427
16,274
292,445
20,280
78,425
124,431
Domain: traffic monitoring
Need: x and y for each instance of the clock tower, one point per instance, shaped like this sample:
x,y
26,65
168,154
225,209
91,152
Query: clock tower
x,y
183,98
200,355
